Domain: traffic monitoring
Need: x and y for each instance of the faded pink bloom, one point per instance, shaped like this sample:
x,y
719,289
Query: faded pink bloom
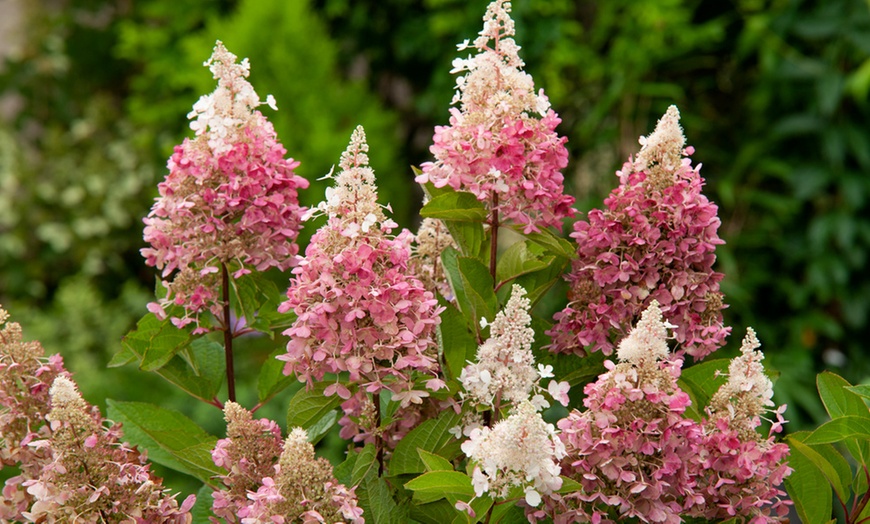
x,y
72,467
655,240
501,144
358,309
230,196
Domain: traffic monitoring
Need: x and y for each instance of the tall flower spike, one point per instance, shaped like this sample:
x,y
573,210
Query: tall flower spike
x,y
501,144
230,196
655,240
358,309
647,340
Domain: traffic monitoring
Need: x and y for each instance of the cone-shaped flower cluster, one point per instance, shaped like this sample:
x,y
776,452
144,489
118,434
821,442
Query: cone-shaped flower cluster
x,y
230,196
654,241
521,450
271,481
637,456
72,467
358,309
501,144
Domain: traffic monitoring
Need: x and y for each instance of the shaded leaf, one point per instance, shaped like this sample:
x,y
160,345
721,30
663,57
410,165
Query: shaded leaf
x,y
272,379
431,436
457,206
309,406
435,485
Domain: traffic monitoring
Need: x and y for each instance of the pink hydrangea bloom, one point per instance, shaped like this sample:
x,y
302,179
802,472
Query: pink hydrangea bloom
x,y
358,309
501,144
633,450
230,196
655,240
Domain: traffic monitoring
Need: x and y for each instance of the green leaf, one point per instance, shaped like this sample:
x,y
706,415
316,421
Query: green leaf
x,y
456,342
473,286
537,283
435,485
309,406
431,436
471,239
199,370
201,511
576,370
123,357
433,462
701,382
841,429
837,398
256,299
319,429
554,244
860,389
520,259
837,475
373,493
437,512
366,462
272,379
508,514
455,207
155,341
809,490
171,438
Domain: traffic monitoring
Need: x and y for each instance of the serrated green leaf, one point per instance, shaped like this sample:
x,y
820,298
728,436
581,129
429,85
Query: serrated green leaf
x,y
255,298
432,436
473,285
437,512
839,402
520,259
433,462
508,514
375,497
201,511
308,406
366,463
436,485
554,244
272,379
861,389
577,371
455,207
155,342
471,239
320,428
201,374
171,438
123,357
809,490
832,473
841,429
537,283
456,342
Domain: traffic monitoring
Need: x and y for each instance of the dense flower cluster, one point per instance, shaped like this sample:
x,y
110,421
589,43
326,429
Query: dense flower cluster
x,y
270,481
521,450
358,309
637,456
230,197
72,467
505,369
501,144
654,241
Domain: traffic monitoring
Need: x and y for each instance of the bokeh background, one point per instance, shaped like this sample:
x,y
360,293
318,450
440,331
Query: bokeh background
x,y
773,95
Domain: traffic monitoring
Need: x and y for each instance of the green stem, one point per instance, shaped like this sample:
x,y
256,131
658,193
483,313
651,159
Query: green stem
x,y
493,238
228,333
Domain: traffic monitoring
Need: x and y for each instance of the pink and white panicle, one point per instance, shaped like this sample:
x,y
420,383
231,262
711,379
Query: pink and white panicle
x,y
71,467
632,450
230,197
655,240
501,144
431,240
272,481
505,369
742,469
358,309
521,450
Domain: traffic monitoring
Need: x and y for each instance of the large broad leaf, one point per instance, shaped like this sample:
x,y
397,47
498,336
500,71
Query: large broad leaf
x,y
861,389
841,429
473,286
199,369
437,512
457,343
701,382
809,490
201,511
831,464
171,438
373,492
309,406
255,299
436,485
840,402
456,207
432,436
272,379
537,283
554,244
155,341
520,259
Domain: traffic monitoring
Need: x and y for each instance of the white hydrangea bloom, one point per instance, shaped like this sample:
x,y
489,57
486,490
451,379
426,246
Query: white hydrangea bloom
x,y
647,341
662,150
521,450
746,373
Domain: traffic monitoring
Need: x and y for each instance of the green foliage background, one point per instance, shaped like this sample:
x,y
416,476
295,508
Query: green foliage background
x,y
774,97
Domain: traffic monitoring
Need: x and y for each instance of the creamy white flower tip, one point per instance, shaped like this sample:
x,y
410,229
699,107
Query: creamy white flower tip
x,y
648,340
63,391
270,101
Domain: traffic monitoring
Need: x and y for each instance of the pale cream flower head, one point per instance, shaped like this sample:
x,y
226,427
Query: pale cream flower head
x,y
662,151
746,373
647,341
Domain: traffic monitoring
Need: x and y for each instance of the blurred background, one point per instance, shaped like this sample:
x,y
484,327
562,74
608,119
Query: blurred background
x,y
773,96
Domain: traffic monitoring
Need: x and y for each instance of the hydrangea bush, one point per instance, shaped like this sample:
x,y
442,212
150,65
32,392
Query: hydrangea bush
x,y
458,402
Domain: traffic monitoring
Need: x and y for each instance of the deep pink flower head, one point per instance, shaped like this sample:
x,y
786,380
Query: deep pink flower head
x,y
501,142
358,309
655,240
230,196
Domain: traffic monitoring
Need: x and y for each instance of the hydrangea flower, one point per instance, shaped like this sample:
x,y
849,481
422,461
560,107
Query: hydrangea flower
x,y
358,308
501,144
632,450
271,480
230,197
431,240
743,469
655,240
505,369
70,464
521,450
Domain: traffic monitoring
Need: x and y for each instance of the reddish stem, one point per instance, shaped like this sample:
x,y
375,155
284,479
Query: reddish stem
x,y
228,333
